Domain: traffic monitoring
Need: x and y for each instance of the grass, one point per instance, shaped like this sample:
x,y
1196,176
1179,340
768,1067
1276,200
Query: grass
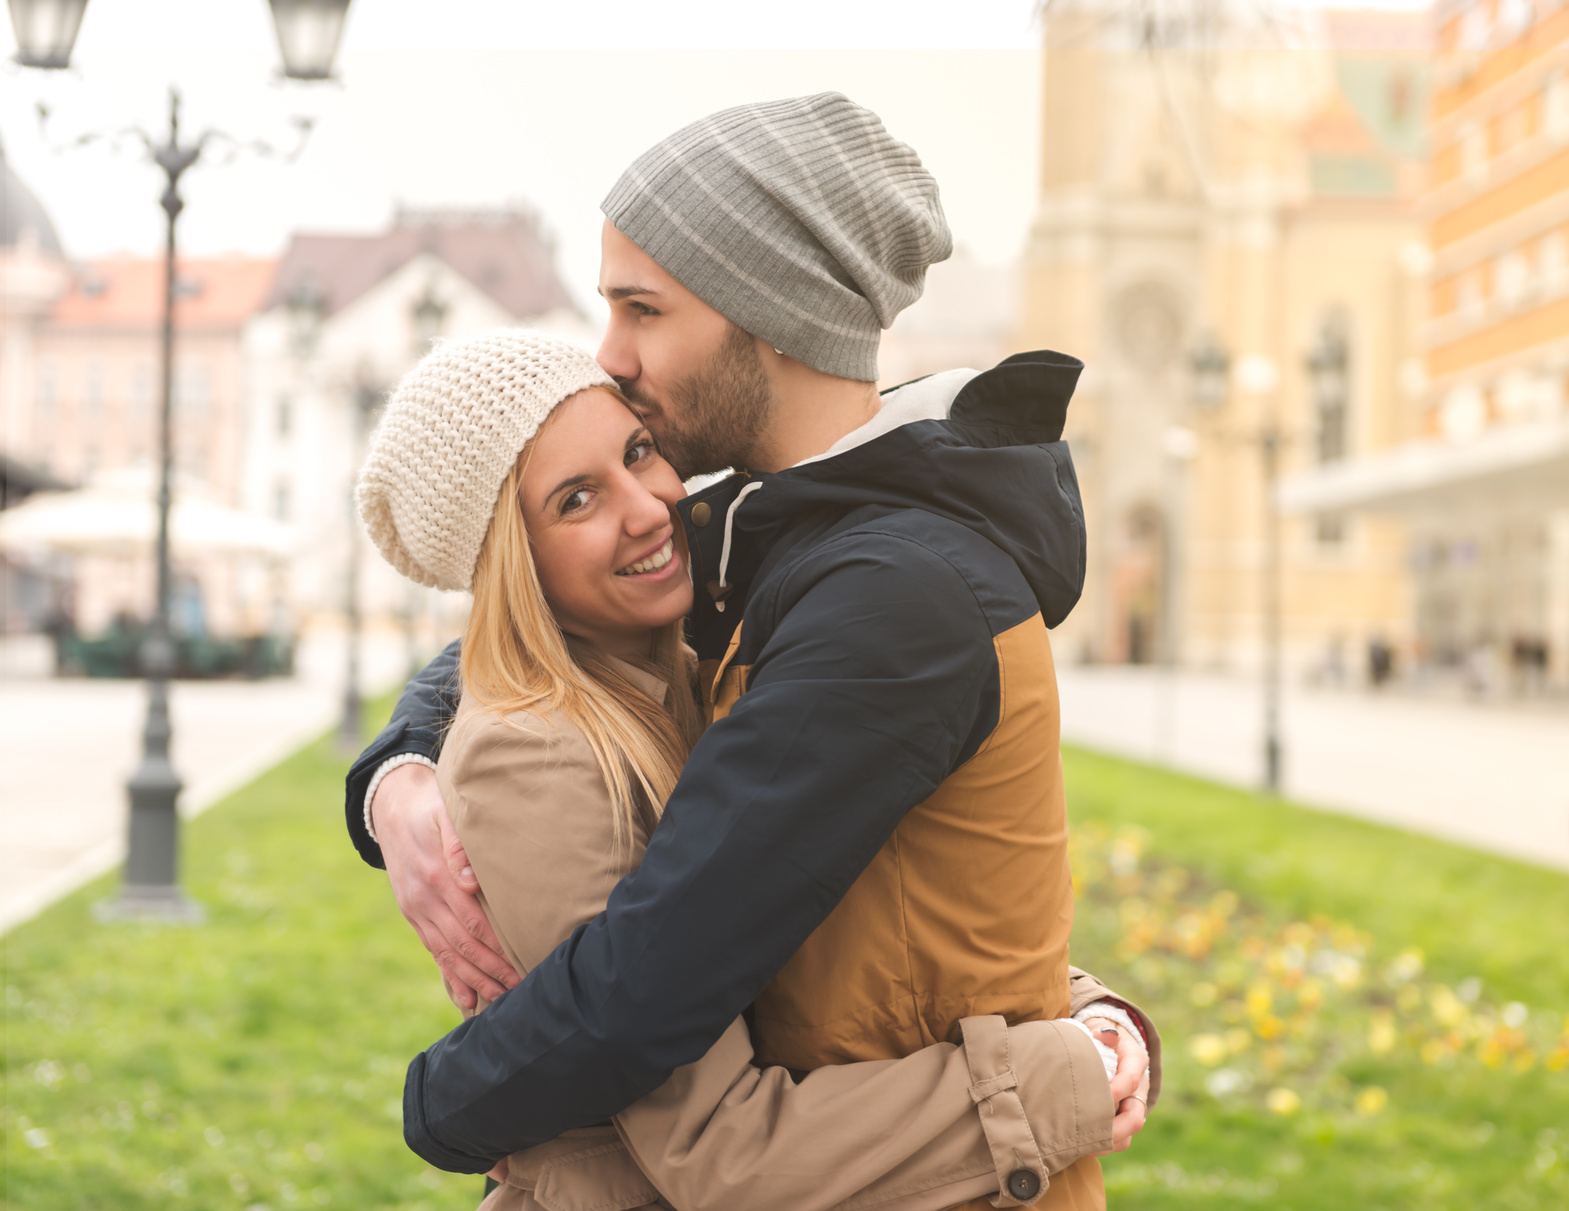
x,y
1354,1017
256,1061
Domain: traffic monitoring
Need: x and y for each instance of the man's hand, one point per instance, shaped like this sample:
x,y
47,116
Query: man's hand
x,y
1130,1086
435,885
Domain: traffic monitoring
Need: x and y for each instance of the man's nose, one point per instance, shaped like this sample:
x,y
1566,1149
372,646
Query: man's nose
x,y
616,355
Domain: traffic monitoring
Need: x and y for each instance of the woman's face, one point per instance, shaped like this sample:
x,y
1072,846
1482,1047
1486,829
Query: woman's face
x,y
599,504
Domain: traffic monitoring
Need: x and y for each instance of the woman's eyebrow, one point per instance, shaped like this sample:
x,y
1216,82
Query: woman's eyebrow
x,y
570,482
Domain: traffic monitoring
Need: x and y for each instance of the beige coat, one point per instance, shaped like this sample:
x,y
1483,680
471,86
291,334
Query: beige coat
x,y
946,1124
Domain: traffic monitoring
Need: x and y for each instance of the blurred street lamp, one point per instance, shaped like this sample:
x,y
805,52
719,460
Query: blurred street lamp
x,y
1210,366
308,33
306,307
46,33
1254,374
1326,366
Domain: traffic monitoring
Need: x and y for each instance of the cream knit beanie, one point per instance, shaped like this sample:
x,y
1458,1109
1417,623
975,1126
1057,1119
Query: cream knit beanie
x,y
452,429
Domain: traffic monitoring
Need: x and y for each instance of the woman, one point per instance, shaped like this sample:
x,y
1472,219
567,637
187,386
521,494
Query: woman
x,y
508,465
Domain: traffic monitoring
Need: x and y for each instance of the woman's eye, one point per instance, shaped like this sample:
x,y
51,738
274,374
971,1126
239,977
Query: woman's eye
x,y
639,452
574,500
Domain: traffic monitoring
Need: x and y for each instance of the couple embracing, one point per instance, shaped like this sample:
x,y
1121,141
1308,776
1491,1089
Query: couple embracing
x,y
735,820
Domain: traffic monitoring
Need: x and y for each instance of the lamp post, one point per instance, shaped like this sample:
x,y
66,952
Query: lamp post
x,y
46,33
1213,374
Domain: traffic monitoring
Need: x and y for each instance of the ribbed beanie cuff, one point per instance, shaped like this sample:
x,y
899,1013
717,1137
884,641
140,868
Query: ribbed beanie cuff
x,y
802,221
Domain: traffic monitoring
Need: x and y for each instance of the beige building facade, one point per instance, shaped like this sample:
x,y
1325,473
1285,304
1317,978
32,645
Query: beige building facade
x,y
1483,484
1227,237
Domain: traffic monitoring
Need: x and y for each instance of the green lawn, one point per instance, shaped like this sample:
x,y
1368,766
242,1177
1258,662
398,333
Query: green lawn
x,y
256,1061
1354,1018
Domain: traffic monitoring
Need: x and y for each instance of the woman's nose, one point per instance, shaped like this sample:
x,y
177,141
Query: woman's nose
x,y
646,513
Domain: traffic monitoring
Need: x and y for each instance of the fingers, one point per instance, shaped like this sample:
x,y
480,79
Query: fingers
x,y
499,1173
466,964
1128,1123
1132,1067
457,857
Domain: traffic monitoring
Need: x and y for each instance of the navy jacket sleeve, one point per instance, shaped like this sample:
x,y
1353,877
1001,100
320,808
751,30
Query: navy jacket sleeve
x,y
878,681
419,722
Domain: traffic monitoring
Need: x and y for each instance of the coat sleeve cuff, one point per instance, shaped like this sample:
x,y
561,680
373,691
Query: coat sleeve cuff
x,y
1043,1099
418,1137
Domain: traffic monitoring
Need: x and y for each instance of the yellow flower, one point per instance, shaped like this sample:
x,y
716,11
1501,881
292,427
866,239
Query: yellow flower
x,y
1260,999
1558,1060
1525,1060
1382,1036
1311,995
1447,1008
1207,1049
1371,1100
1269,1027
1283,1102
1433,1051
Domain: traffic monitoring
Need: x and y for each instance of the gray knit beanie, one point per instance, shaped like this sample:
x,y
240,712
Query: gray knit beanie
x,y
452,429
802,221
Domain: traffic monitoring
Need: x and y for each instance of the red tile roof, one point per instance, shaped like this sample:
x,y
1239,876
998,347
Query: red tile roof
x,y
127,292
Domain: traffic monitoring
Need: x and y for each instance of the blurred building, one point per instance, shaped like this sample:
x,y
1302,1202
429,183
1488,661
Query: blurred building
x,y
1227,236
1484,484
33,275
344,317
968,315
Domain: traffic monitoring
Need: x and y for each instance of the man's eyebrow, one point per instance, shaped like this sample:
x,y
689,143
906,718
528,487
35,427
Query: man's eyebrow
x,y
626,292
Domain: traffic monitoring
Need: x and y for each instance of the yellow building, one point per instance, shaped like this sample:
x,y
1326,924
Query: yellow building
x,y
1484,486
1211,222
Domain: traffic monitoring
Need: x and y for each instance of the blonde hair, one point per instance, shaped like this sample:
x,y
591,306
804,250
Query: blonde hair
x,y
515,657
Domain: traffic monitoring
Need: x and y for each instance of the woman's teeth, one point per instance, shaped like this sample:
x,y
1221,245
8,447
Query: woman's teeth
x,y
654,562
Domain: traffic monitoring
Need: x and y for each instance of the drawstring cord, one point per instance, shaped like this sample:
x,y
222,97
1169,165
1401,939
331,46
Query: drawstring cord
x,y
724,551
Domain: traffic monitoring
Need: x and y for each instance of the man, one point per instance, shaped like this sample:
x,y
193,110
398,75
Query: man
x,y
869,842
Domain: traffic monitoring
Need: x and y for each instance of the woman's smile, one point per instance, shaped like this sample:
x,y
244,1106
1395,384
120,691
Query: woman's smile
x,y
663,560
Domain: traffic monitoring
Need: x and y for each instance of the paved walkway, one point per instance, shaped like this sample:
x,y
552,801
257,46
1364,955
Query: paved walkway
x,y
67,746
1491,776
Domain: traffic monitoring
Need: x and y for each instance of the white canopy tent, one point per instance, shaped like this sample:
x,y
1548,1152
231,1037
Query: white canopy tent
x,y
116,514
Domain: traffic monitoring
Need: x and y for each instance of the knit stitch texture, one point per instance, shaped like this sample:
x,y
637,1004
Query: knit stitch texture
x,y
802,221
452,429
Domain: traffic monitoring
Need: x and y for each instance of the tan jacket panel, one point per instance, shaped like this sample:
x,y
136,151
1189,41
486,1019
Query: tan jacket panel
x,y
533,814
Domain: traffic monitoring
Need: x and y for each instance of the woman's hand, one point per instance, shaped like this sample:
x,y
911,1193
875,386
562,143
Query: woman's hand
x,y
435,886
1130,1086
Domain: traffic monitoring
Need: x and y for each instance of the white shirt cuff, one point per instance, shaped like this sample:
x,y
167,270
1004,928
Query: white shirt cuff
x,y
1115,1013
1108,1057
385,768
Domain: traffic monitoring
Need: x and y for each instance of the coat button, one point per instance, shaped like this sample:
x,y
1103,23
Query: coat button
x,y
1023,1185
701,513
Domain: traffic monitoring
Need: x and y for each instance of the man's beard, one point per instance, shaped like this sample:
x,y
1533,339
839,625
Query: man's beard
x,y
717,414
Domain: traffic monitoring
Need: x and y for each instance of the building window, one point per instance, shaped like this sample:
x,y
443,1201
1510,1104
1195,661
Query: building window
x,y
285,416
1475,28
93,390
1555,108
47,388
1553,257
1512,280
1473,152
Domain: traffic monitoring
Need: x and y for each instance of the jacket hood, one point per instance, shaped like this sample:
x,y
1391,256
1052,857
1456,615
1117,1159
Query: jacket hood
x,y
982,449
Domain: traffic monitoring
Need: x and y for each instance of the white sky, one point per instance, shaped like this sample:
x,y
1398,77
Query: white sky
x,y
481,102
